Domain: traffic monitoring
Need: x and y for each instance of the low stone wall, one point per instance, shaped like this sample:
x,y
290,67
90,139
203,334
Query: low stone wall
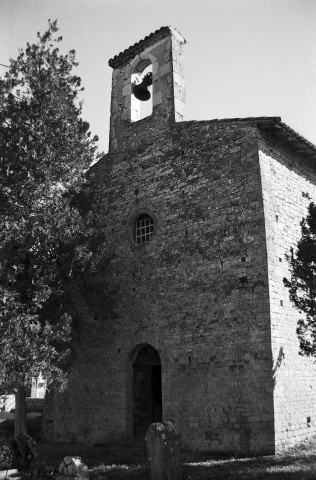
x,y
34,404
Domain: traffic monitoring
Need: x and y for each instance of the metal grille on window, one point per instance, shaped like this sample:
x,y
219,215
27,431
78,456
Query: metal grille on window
x,y
144,228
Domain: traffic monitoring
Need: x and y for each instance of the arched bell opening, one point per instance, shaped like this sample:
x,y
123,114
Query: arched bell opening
x,y
142,91
147,398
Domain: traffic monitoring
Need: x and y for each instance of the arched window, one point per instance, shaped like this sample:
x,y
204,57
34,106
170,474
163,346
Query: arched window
x,y
142,91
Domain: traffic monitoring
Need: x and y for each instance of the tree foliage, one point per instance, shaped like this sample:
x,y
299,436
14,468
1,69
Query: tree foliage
x,y
302,284
45,150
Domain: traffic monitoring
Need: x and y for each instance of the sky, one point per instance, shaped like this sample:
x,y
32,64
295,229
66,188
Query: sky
x,y
243,58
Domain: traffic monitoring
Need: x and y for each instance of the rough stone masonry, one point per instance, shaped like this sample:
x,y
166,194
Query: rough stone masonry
x,y
195,325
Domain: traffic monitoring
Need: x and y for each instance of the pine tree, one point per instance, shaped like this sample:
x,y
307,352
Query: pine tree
x,y
45,150
302,284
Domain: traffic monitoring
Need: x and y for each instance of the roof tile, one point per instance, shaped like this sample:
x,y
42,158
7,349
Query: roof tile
x,y
138,47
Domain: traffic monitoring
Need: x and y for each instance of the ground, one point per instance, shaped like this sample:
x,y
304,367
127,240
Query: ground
x,y
114,462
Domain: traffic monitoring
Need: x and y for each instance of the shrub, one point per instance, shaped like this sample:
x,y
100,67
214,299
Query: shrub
x,y
5,452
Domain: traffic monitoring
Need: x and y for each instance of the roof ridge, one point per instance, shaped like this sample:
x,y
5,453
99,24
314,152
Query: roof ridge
x,y
261,120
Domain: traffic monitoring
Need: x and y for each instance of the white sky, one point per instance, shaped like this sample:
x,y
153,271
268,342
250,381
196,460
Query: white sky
x,y
242,57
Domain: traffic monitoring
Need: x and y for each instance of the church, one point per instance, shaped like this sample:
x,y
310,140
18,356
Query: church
x,y
195,325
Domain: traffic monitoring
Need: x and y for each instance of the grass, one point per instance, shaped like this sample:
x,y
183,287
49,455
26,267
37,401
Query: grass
x,y
259,468
116,462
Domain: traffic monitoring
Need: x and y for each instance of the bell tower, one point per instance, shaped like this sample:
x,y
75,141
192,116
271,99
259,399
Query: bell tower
x,y
147,88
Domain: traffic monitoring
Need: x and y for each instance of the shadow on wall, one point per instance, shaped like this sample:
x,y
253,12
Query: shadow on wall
x,y
278,364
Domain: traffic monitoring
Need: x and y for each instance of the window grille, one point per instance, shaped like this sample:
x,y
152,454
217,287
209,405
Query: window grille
x,y
144,228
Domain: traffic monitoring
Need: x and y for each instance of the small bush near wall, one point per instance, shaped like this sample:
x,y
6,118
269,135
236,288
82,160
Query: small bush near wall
x,y
5,452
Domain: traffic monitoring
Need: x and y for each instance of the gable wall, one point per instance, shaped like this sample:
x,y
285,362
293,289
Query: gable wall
x,y
198,289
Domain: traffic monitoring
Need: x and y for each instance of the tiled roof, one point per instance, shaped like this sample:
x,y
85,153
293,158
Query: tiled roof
x,y
139,47
274,127
270,125
279,130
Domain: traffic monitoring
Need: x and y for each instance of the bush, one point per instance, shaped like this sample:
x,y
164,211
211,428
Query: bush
x,y
23,450
39,471
5,452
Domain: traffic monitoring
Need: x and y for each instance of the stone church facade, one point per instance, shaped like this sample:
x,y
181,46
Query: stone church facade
x,y
195,325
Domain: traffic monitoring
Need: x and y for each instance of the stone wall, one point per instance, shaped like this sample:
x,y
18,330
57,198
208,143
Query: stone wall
x,y
197,292
288,183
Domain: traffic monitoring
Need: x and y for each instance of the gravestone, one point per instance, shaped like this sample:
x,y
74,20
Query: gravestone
x,y
72,468
163,448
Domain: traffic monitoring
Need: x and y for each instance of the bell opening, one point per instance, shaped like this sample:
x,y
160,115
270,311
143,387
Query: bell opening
x,y
142,91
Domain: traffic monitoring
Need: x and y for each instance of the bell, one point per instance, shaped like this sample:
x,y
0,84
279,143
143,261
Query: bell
x,y
140,90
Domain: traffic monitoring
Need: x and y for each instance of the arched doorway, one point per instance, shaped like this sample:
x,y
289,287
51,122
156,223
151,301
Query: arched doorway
x,y
147,405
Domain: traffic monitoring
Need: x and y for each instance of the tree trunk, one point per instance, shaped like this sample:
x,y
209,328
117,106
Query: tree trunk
x,y
20,411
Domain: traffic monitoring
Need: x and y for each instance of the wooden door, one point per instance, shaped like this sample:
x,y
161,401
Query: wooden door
x,y
142,399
